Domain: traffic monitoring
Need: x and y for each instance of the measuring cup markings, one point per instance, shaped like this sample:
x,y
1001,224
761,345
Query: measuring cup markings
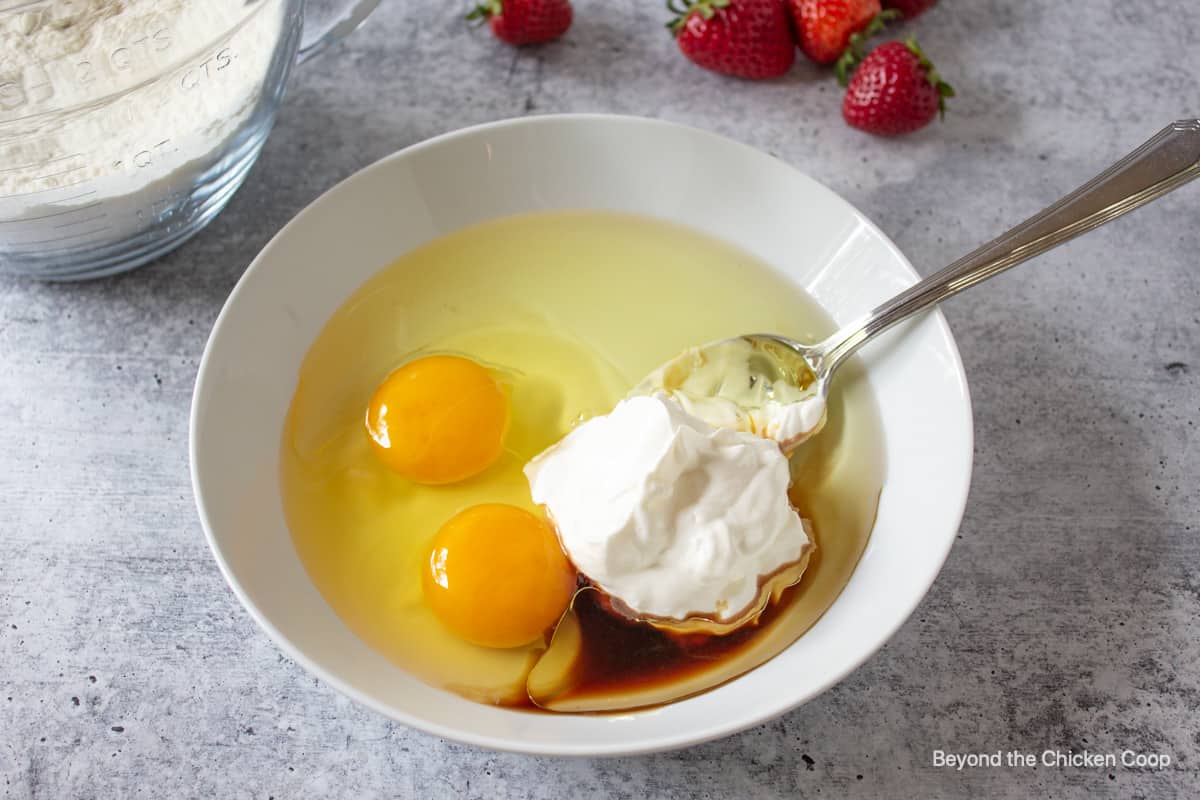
x,y
145,158
65,238
137,51
52,189
14,95
51,215
41,163
58,173
190,77
123,57
66,171
161,209
142,122
13,90
127,55
84,221
161,206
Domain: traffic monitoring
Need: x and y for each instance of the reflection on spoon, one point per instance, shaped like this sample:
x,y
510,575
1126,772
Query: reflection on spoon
x,y
749,384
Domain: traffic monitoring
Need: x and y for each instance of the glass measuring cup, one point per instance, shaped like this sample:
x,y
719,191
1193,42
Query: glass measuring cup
x,y
127,125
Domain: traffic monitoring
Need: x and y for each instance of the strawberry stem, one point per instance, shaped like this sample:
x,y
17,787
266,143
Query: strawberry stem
x,y
856,49
484,11
682,9
944,89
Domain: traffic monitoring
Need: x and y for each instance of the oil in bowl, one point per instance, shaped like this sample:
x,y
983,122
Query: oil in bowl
x,y
566,311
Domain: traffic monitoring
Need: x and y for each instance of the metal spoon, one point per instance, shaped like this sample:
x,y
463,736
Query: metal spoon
x,y
1165,162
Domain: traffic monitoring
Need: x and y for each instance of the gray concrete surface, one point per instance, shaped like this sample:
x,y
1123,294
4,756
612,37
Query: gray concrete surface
x,y
1068,615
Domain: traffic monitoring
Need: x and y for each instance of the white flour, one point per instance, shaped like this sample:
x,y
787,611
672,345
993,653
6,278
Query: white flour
x,y
110,103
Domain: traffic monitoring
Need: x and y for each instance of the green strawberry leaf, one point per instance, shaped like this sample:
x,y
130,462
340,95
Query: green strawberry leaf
x,y
856,47
683,8
944,89
484,11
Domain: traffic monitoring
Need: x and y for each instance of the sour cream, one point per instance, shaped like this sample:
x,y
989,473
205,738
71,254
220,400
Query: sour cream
x,y
669,514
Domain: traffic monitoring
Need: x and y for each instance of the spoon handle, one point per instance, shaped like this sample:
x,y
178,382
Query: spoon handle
x,y
1167,161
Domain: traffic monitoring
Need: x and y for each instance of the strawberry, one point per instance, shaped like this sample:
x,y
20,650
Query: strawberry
x,y
744,38
823,27
525,21
895,90
909,8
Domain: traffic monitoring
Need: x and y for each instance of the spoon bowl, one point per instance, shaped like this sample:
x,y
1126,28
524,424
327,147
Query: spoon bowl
x,y
740,381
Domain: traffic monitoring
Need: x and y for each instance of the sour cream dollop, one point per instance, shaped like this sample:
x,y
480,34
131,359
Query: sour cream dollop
x,y
670,515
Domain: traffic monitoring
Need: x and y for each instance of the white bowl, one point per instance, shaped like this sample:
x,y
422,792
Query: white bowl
x,y
249,369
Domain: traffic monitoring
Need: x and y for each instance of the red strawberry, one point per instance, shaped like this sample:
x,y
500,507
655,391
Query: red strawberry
x,y
894,90
745,38
525,21
823,27
909,8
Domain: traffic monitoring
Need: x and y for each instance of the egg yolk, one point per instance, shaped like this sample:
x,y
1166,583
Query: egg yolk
x,y
497,576
438,419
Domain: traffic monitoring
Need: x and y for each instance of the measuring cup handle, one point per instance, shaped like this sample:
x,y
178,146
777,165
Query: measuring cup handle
x,y
356,12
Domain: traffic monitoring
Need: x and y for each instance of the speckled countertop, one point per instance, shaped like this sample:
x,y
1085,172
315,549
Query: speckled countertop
x,y
1067,617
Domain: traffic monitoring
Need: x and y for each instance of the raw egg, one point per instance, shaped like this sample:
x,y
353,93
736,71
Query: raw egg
x,y
496,576
438,419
